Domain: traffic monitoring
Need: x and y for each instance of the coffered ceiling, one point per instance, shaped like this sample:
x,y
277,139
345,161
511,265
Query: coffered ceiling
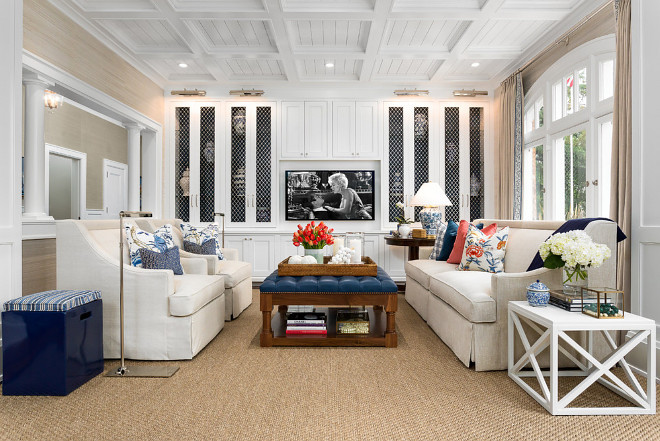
x,y
420,42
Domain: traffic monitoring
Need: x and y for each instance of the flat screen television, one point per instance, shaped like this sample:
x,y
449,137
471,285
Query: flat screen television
x,y
310,194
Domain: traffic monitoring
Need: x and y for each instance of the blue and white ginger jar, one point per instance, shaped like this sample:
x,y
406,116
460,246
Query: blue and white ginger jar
x,y
538,294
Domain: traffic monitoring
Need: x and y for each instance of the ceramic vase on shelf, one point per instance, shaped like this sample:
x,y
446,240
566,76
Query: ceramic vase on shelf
x,y
404,230
184,182
317,253
573,285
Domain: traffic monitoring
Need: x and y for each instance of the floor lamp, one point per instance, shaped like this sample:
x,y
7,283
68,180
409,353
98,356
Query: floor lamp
x,y
123,370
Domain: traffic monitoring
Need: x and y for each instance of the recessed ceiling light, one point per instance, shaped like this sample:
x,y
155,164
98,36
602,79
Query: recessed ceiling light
x,y
184,65
329,64
475,64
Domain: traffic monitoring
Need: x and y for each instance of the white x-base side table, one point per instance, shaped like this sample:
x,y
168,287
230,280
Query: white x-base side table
x,y
552,324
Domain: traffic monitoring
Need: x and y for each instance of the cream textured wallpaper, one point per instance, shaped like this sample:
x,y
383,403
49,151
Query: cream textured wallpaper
x,y
51,35
76,129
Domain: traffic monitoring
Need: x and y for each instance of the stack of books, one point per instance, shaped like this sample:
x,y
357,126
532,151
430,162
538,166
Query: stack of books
x,y
568,302
310,323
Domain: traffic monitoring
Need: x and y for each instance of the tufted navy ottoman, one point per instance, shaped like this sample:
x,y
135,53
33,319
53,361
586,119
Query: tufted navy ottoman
x,y
379,291
52,342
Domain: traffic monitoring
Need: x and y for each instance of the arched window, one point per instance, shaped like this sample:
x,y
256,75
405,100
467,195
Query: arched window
x,y
568,135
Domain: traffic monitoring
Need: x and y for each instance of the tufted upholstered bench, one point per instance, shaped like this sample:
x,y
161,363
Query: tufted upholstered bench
x,y
379,291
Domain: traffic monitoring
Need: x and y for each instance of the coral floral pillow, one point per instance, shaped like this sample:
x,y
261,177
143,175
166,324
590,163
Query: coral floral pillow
x,y
484,253
457,251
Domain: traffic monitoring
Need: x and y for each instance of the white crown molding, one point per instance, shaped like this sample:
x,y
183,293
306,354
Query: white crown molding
x,y
100,34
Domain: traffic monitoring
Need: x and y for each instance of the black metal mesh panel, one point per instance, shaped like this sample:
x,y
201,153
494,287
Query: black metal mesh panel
x,y
263,169
238,153
207,164
421,151
452,164
182,163
476,163
396,161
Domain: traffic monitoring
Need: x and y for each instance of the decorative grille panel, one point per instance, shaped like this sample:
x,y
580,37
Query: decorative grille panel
x,y
452,163
476,163
238,158
396,161
207,164
182,163
263,164
421,152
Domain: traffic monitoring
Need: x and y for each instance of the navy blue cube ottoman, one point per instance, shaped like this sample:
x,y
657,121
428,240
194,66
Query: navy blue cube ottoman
x,y
52,342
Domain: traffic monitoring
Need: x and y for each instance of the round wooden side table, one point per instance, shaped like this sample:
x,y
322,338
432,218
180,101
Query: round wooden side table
x,y
413,244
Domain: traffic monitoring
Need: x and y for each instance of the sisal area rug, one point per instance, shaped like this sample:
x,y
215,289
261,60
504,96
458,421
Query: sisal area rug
x,y
236,390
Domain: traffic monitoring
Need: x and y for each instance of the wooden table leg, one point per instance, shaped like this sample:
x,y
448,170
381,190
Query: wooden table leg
x,y
266,337
282,308
390,327
413,252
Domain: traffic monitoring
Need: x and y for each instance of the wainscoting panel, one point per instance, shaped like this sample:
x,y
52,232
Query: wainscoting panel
x,y
39,269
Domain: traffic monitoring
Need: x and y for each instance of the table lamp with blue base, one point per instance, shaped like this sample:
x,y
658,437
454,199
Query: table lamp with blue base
x,y
430,196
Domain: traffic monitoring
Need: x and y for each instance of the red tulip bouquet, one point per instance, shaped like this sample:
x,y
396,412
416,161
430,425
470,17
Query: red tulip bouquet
x,y
313,237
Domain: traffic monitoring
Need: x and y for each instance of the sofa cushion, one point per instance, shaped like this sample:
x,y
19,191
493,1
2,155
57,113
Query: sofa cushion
x,y
421,270
234,271
467,292
522,247
193,291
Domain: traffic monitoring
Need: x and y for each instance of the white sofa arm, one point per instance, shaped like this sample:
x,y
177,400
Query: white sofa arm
x,y
230,253
194,265
513,286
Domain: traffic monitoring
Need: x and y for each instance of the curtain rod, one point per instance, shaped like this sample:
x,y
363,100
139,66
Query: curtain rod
x,y
564,36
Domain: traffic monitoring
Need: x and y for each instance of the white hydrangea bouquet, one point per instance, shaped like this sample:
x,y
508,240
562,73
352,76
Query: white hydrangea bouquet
x,y
576,251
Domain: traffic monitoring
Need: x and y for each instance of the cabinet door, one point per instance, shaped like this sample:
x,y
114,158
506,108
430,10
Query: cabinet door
x,y
372,247
261,165
205,189
293,130
316,129
237,243
182,199
476,168
366,130
343,130
237,160
395,161
262,251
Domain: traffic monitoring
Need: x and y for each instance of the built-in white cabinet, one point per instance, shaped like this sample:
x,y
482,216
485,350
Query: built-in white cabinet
x,y
462,132
259,250
250,191
355,130
305,128
410,160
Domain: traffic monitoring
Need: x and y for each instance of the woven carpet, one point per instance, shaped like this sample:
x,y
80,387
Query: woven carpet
x,y
236,390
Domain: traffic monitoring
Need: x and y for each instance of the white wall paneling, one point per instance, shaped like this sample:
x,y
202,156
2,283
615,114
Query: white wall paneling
x,y
645,234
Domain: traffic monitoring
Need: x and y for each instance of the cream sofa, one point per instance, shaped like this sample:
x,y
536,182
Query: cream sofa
x,y
237,274
166,317
468,309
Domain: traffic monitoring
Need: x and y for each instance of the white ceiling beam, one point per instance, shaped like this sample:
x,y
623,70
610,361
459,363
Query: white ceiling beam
x,y
281,37
488,10
382,10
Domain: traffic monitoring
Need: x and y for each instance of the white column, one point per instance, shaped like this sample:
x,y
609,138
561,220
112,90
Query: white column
x,y
35,148
133,130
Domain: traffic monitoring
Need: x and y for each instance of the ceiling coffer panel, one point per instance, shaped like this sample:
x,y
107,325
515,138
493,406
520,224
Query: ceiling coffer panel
x,y
252,69
328,35
422,35
509,34
328,5
218,35
400,68
146,35
338,70
436,5
217,5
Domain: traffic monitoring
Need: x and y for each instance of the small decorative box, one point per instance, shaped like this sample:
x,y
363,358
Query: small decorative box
x,y
352,321
603,302
419,233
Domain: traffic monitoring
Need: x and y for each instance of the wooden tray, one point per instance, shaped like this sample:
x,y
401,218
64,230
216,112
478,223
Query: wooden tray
x,y
367,268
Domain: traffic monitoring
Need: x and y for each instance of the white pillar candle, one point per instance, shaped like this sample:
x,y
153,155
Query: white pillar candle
x,y
337,245
356,245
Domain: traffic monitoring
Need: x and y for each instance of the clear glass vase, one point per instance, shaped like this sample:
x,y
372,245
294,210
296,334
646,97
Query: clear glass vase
x,y
574,282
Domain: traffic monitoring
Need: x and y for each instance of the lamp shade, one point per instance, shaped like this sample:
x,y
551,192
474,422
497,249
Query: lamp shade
x,y
430,194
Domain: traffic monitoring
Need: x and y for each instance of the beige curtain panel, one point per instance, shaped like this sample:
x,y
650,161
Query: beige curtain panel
x,y
621,196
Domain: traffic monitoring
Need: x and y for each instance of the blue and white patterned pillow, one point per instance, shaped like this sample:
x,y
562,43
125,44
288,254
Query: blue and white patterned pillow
x,y
159,241
200,236
207,248
439,239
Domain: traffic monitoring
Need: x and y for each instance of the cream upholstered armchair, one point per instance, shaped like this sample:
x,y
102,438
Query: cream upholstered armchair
x,y
237,274
166,317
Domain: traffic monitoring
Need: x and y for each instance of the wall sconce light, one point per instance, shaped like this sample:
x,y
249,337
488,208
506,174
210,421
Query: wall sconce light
x,y
243,92
472,92
410,92
186,92
52,100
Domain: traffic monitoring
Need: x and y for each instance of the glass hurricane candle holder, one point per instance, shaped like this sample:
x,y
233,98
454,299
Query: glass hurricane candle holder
x,y
355,241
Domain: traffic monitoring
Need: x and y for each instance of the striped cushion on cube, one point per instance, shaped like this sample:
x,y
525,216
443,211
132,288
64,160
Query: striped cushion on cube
x,y
54,300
